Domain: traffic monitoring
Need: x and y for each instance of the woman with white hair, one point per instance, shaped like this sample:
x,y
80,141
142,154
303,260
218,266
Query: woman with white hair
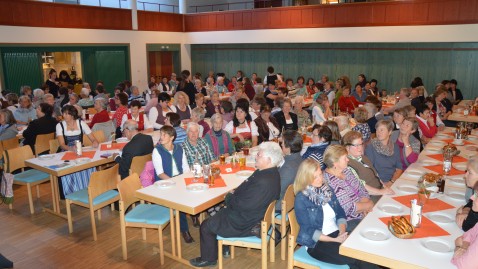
x,y
197,116
181,102
101,115
37,97
25,113
219,140
85,101
221,88
199,87
303,117
343,124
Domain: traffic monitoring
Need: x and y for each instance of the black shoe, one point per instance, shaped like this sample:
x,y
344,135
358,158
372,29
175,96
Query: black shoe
x,y
226,251
278,237
187,237
198,262
195,220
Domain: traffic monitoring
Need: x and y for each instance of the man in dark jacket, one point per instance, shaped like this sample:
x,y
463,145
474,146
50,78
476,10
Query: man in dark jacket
x,y
139,145
245,207
44,124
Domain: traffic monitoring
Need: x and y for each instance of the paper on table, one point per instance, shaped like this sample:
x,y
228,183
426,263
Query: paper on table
x,y
227,169
218,182
113,146
69,155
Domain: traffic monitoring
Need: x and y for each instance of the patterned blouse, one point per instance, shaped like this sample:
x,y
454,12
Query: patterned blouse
x,y
348,191
364,129
118,116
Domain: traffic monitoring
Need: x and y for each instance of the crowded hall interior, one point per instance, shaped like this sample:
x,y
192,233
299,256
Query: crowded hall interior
x,y
239,134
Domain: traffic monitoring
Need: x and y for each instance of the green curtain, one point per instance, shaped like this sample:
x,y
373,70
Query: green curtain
x,y
22,68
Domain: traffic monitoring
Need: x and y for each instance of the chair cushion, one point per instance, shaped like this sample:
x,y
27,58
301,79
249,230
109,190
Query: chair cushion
x,y
82,196
248,239
301,255
30,176
279,217
150,214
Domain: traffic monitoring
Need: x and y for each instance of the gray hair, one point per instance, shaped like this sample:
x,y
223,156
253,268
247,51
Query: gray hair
x,y
102,102
371,109
131,125
38,93
216,116
85,92
387,123
191,125
86,84
134,88
76,96
273,151
199,112
48,95
342,122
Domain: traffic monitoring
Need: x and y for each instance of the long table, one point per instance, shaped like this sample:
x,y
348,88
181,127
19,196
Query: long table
x,y
412,253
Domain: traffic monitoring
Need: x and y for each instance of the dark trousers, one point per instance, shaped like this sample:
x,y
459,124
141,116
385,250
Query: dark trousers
x,y
183,222
329,252
208,241
5,263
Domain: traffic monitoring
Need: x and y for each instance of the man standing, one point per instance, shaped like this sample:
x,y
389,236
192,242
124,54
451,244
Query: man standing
x,y
138,145
245,207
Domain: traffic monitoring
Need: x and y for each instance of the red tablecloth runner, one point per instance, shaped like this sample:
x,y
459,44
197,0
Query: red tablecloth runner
x,y
113,146
69,155
427,228
450,141
235,170
439,169
432,205
456,159
218,182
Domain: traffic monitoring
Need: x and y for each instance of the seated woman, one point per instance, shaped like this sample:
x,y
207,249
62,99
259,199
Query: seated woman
x,y
144,125
25,113
214,105
408,145
426,124
311,88
219,140
181,102
85,101
361,116
321,218
343,123
238,94
321,136
242,129
200,101
197,116
303,117
334,128
398,116
68,131
101,106
44,124
352,195
169,160
267,125
158,113
385,154
153,101
347,103
74,98
227,111
121,101
199,87
8,127
467,215
286,118
362,166
321,112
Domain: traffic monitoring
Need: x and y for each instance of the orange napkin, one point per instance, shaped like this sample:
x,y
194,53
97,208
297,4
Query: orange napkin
x,y
308,139
456,159
427,228
69,155
113,146
432,205
439,169
218,182
235,170
450,141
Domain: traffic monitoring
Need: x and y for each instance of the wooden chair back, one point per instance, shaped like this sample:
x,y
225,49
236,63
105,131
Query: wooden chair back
x,y
99,136
294,225
10,143
138,162
269,215
42,143
54,145
91,110
287,203
15,158
103,181
127,187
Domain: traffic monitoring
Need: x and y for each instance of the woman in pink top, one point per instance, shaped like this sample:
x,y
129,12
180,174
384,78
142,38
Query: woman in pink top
x,y
466,250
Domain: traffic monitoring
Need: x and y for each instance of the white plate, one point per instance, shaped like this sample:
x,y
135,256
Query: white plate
x,y
244,174
441,218
437,143
428,162
458,143
437,245
434,149
456,195
82,160
197,187
46,157
460,166
375,234
391,208
165,184
122,139
444,136
414,174
458,180
408,188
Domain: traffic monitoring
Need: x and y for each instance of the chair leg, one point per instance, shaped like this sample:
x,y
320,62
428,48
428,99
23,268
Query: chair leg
x,y
264,256
143,232
283,245
123,239
161,250
219,253
10,206
30,198
99,214
93,222
232,252
271,246
290,253
38,191
112,207
68,214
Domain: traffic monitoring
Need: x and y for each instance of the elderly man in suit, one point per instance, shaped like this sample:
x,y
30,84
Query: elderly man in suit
x,y
245,207
138,145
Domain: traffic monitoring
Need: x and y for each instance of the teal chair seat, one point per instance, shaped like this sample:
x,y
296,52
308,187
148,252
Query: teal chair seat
x,y
82,196
301,255
147,213
30,176
279,217
248,239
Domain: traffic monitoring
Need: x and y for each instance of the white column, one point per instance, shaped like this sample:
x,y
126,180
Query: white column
x,y
183,6
134,14
186,57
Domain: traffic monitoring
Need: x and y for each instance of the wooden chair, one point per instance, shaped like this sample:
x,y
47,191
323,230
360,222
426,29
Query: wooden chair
x,y
99,136
14,160
42,143
54,145
138,162
300,258
141,216
10,143
287,204
267,225
101,192
91,110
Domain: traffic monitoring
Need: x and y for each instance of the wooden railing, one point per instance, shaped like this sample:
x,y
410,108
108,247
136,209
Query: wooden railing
x,y
159,21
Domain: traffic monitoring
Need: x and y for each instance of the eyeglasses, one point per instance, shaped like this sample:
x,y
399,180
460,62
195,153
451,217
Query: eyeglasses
x,y
356,145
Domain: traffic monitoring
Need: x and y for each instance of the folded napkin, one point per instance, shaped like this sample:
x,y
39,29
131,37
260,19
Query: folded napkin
x,y
69,155
113,146
439,169
432,205
427,229
235,170
218,182
450,141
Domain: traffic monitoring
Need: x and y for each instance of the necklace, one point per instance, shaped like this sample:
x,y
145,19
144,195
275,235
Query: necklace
x,y
240,123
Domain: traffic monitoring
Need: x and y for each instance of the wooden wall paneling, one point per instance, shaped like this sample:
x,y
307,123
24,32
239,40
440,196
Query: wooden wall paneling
x,y
378,14
247,19
158,21
468,9
419,13
451,9
6,14
237,21
318,16
392,14
406,12
435,12
306,17
212,22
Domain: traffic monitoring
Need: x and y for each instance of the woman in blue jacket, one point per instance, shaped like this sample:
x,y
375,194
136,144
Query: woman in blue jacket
x,y
321,219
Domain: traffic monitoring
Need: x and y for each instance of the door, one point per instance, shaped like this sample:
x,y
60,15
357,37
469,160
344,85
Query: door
x,y
160,63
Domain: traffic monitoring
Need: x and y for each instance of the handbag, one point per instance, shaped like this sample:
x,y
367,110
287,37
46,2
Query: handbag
x,y
6,188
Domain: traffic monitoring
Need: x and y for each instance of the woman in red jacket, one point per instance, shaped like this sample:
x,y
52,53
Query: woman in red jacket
x,y
428,129
347,103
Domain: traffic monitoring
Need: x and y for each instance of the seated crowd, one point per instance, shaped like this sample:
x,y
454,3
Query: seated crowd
x,y
359,144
